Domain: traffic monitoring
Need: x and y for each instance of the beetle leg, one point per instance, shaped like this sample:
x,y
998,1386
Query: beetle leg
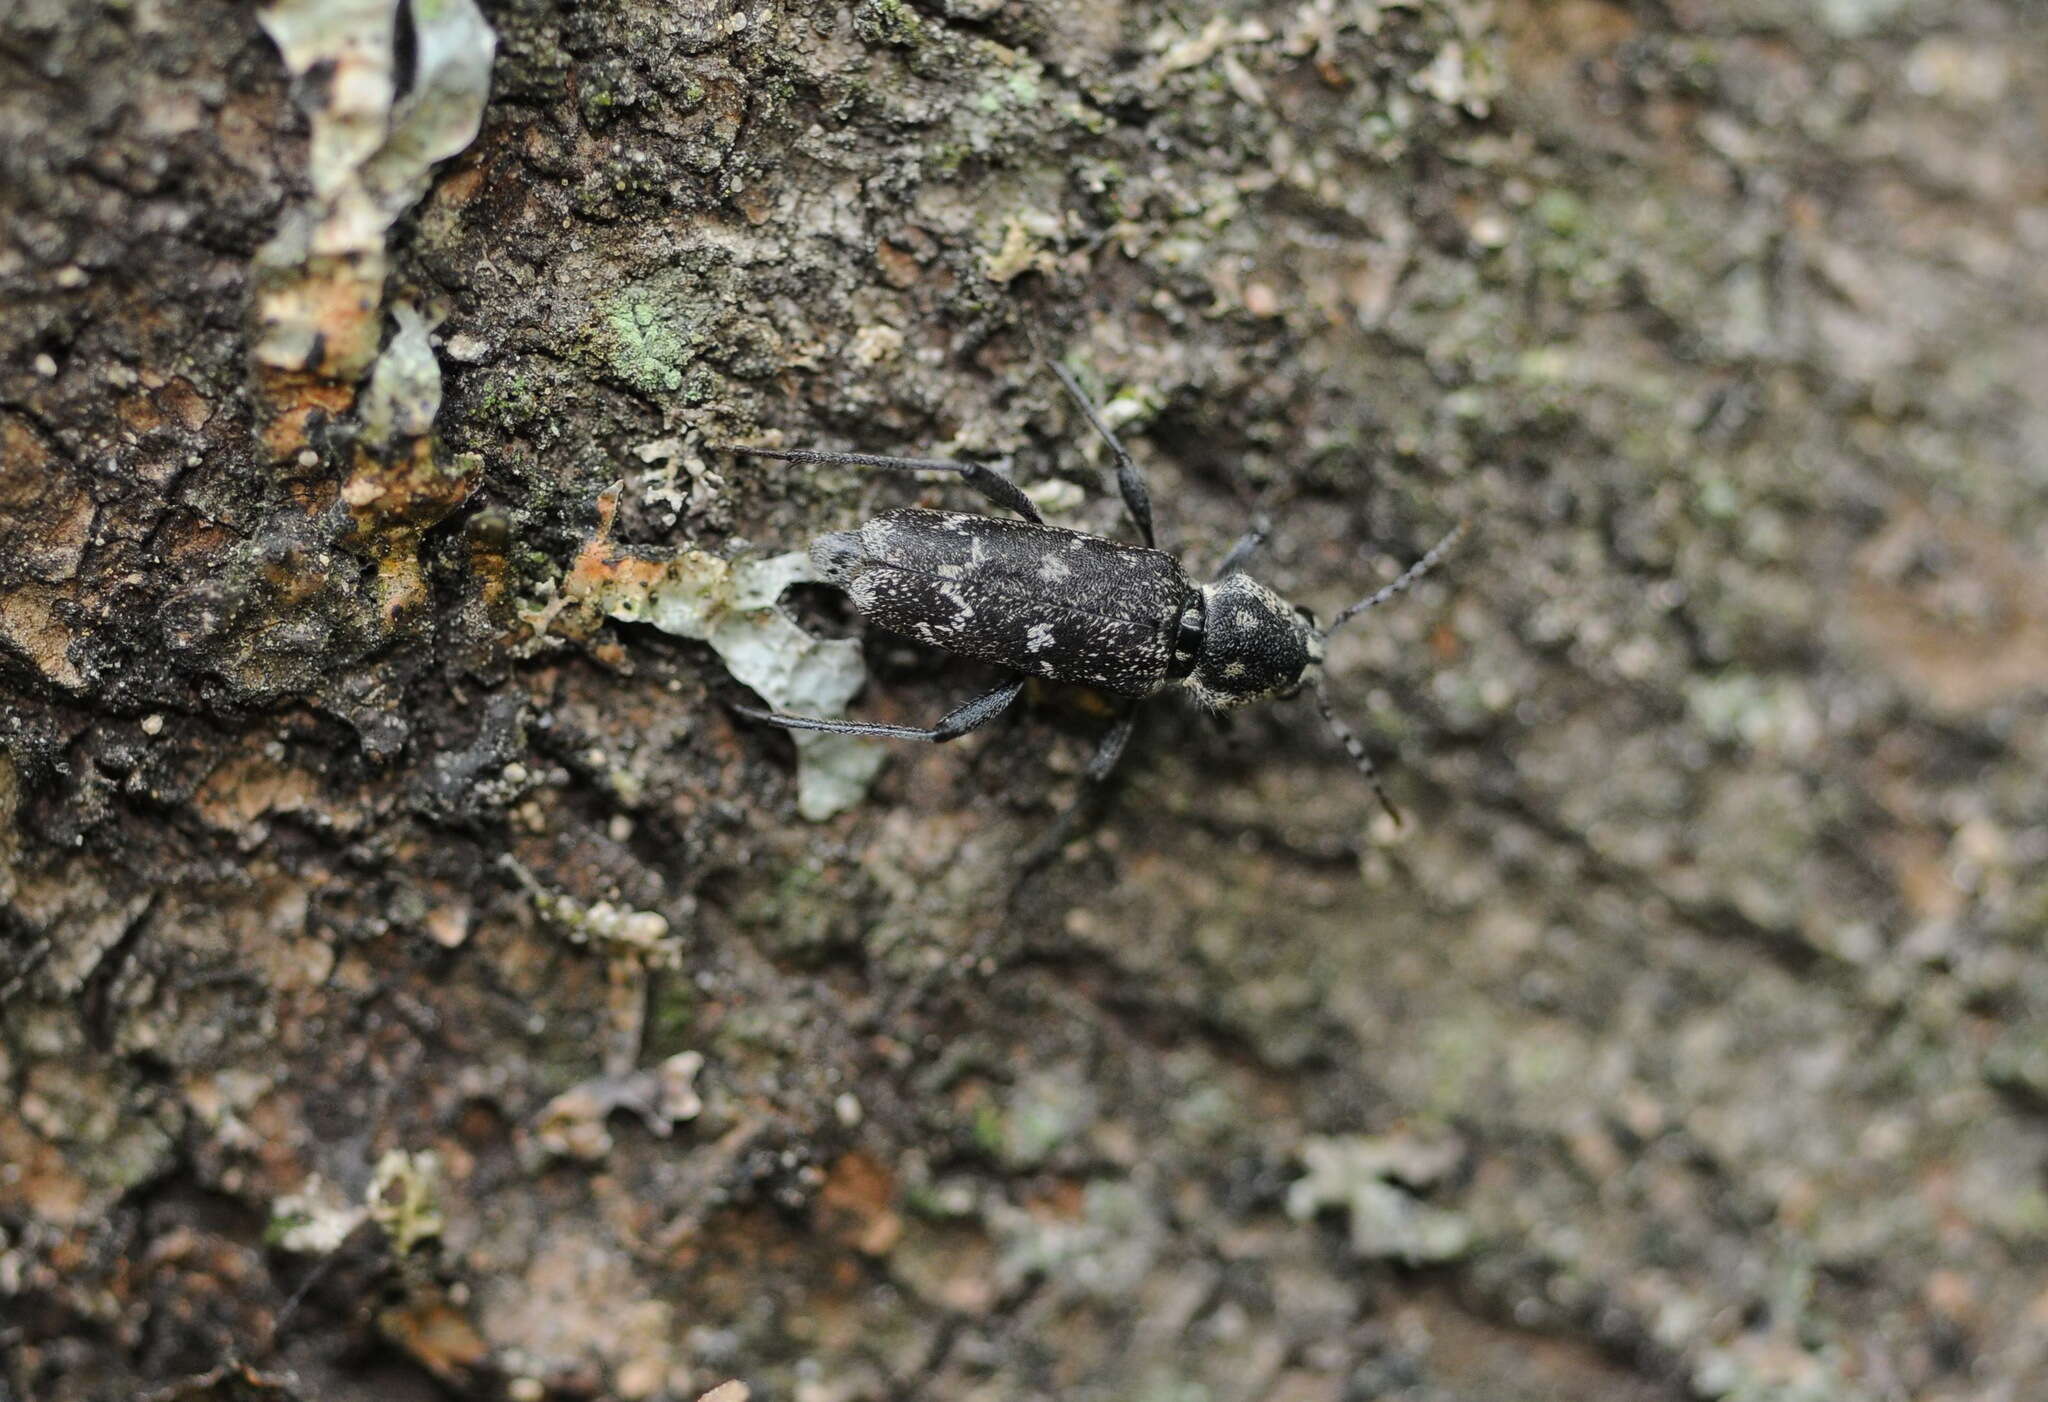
x,y
1129,480
1248,542
984,479
1107,753
955,723
1111,751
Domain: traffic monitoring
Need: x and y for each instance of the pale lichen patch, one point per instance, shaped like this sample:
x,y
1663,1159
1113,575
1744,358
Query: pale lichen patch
x,y
733,606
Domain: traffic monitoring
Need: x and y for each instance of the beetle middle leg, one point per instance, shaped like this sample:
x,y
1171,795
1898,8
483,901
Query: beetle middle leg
x,y
984,479
1129,479
955,723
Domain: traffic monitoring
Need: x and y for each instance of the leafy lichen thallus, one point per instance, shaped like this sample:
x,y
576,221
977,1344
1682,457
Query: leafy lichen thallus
x,y
1047,602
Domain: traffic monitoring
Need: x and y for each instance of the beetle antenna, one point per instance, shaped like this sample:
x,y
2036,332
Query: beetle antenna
x,y
1405,582
1356,750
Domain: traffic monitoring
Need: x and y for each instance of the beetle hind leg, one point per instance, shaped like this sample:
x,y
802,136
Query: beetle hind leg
x,y
955,723
997,488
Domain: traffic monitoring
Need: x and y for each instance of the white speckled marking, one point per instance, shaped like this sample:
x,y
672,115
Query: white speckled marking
x,y
1038,638
952,595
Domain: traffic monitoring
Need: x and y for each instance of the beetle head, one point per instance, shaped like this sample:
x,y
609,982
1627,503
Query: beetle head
x,y
1254,645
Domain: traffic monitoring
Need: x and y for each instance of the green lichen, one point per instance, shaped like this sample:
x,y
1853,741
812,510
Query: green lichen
x,y
891,22
1019,87
1561,212
510,401
990,1133
405,1198
1045,1113
672,1014
804,914
646,343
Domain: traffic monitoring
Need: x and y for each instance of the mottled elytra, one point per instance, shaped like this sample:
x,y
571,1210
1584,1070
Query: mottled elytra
x,y
1047,602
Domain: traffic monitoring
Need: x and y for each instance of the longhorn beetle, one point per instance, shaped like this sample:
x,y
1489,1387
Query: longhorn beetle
x,y
1048,602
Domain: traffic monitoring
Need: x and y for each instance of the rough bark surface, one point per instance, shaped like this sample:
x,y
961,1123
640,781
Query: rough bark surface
x,y
414,982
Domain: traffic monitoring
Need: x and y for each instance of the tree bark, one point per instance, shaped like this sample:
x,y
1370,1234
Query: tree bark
x,y
415,979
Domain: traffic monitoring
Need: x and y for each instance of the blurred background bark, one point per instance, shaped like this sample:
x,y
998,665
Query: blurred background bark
x,y
415,982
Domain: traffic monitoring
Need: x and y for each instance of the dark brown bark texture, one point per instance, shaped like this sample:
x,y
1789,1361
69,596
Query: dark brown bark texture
x,y
415,981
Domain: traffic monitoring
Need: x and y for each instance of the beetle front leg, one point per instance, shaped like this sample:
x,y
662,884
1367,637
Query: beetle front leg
x,y
1248,542
955,723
